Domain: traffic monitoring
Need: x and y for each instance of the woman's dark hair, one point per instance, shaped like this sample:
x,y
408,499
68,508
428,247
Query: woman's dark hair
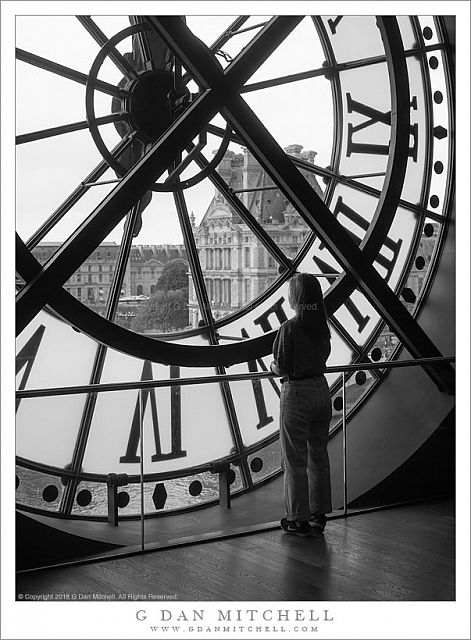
x,y
305,297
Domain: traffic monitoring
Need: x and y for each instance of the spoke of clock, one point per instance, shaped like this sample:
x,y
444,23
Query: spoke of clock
x,y
75,196
332,233
99,361
66,72
301,195
97,327
143,45
97,34
343,333
324,172
151,166
209,74
221,40
405,204
205,308
193,259
245,214
68,128
293,77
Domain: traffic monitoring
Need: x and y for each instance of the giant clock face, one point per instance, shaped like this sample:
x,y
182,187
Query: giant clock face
x,y
172,175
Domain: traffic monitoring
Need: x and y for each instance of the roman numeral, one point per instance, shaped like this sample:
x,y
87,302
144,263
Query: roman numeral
x,y
394,246
263,417
131,455
360,320
375,116
333,24
277,310
26,358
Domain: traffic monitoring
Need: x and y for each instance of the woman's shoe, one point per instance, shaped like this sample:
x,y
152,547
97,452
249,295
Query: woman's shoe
x,y
291,526
317,522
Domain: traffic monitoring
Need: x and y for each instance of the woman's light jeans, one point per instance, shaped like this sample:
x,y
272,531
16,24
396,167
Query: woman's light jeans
x,y
305,414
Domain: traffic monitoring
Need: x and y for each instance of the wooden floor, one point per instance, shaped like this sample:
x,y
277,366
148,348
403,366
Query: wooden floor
x,y
402,553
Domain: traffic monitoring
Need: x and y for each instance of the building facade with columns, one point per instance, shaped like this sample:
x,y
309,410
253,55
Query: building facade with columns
x,y
237,267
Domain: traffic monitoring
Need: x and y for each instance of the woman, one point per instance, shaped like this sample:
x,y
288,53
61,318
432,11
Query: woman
x,y
300,351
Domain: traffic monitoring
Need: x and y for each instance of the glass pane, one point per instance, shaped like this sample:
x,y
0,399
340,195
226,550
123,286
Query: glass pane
x,y
429,29
340,354
69,158
265,462
384,346
303,116
155,289
40,490
48,340
300,51
409,39
183,426
354,210
47,428
356,387
159,496
394,253
358,317
35,86
343,33
365,133
257,402
58,38
421,266
419,139
91,499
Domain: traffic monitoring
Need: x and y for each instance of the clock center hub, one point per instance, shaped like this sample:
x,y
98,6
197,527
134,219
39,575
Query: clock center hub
x,y
149,105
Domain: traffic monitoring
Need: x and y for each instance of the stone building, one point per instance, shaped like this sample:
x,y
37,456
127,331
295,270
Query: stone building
x,y
91,283
237,268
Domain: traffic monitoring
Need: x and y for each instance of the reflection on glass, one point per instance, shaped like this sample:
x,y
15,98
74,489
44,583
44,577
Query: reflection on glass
x,y
421,265
39,490
356,386
265,462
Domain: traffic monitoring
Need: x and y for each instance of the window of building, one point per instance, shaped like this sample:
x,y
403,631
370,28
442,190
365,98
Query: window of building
x,y
227,259
247,257
100,268
271,262
139,290
90,278
79,292
247,290
100,278
79,277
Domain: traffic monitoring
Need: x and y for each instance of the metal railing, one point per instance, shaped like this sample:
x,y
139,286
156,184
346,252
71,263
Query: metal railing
x,y
145,385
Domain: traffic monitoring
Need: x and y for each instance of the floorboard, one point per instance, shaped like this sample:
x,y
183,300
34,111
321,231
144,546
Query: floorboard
x,y
402,553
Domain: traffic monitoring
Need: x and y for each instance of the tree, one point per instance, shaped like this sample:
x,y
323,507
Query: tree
x,y
174,276
164,311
